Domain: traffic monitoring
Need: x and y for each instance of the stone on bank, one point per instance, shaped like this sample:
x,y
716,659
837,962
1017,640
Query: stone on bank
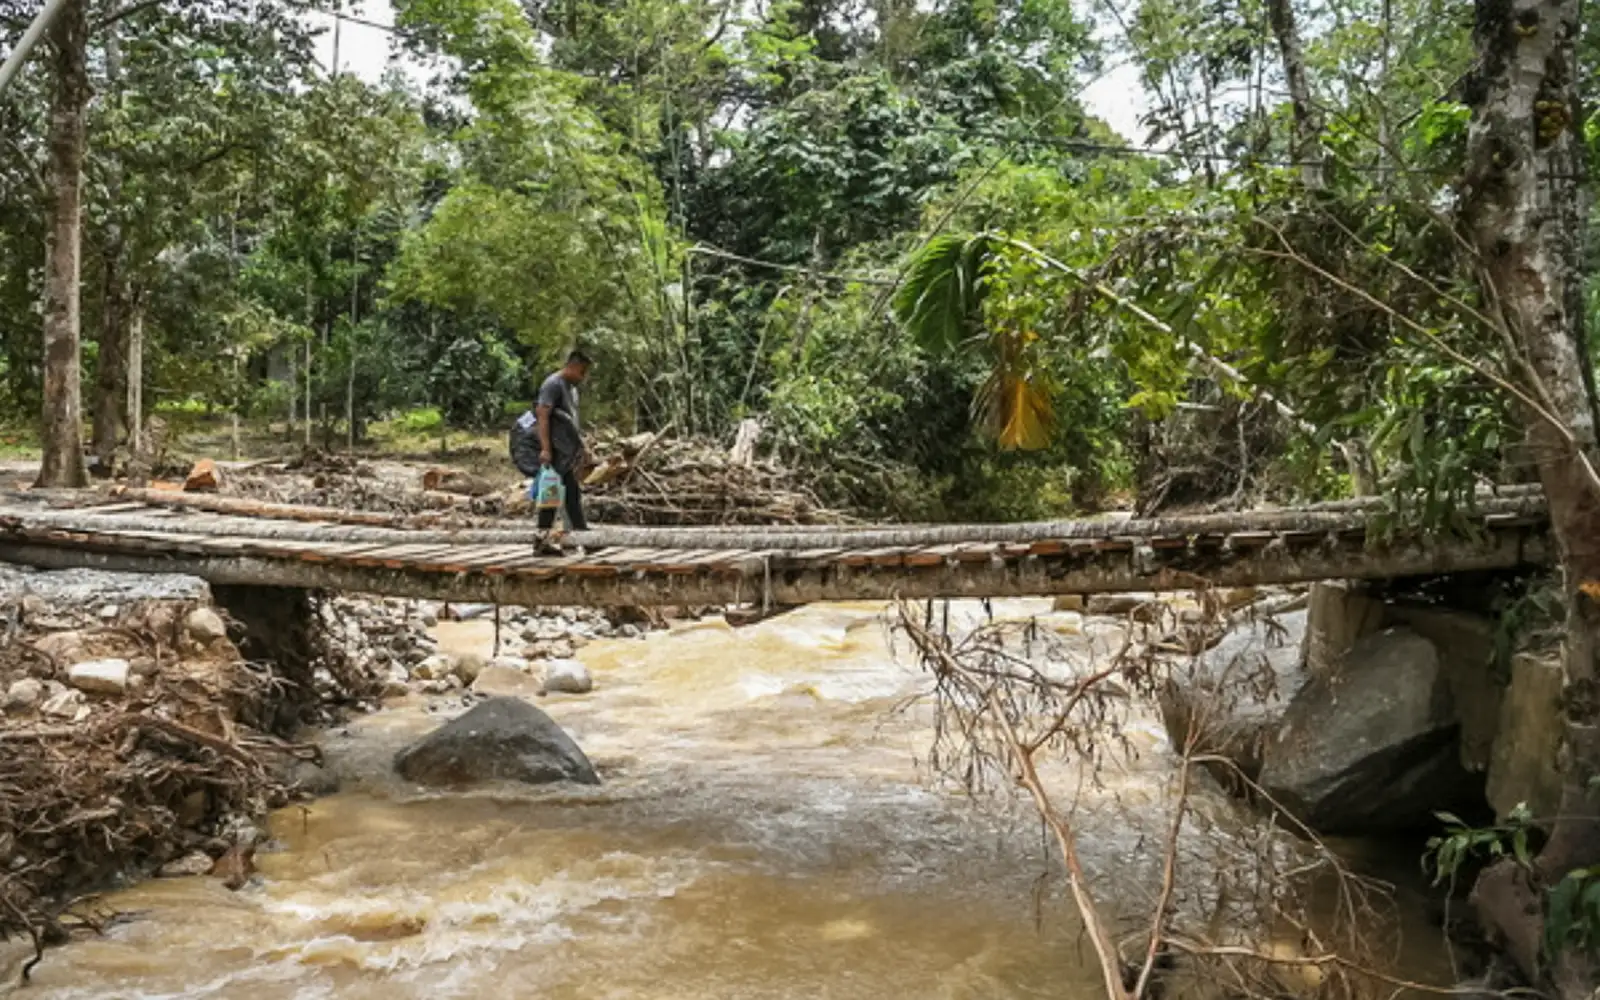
x,y
1375,747
24,694
100,676
1366,716
567,677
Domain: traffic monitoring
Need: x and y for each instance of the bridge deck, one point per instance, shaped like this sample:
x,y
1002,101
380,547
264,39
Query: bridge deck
x,y
230,541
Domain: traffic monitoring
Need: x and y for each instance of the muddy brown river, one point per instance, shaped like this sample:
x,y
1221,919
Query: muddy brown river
x,y
766,830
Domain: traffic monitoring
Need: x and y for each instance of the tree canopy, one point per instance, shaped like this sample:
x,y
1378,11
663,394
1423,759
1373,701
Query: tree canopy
x,y
894,231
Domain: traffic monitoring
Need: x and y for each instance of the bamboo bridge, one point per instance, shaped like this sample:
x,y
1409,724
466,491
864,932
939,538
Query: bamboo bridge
x,y
444,557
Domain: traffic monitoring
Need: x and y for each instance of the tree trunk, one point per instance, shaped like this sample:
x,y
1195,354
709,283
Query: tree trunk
x,y
62,464
350,372
1307,123
111,365
111,371
350,402
293,382
233,416
1525,215
135,372
308,394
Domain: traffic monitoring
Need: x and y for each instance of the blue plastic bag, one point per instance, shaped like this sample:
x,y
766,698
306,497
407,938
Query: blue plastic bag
x,y
548,491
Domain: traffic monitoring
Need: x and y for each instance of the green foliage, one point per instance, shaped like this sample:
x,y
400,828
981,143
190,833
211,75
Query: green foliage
x,y
1572,913
939,300
474,379
423,420
1460,843
884,227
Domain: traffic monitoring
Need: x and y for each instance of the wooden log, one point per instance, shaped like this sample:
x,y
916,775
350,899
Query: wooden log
x,y
456,482
203,477
1116,534
1032,576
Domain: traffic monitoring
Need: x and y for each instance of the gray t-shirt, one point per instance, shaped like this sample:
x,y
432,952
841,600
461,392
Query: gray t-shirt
x,y
562,398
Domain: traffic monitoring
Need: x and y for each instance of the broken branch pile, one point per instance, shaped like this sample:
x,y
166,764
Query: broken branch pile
x,y
133,735
355,486
653,479
122,789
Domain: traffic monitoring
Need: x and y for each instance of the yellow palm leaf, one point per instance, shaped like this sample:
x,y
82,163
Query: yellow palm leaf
x,y
1020,413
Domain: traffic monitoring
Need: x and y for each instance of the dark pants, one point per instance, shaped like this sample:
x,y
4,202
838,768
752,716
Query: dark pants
x,y
575,518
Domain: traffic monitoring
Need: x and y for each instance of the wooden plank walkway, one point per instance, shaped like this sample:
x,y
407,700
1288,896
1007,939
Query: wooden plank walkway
x,y
233,541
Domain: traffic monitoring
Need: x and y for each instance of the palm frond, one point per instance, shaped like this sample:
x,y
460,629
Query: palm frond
x,y
1016,401
939,300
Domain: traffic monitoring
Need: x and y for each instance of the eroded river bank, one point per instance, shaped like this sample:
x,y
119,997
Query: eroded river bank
x,y
767,827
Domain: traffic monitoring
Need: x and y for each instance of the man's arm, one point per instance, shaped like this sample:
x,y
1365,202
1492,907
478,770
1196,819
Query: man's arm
x,y
544,413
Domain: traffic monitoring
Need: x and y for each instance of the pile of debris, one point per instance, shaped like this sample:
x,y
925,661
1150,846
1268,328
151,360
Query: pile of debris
x,y
642,479
349,484
653,479
134,736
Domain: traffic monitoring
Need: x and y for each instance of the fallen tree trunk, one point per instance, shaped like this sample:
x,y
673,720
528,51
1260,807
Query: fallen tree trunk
x,y
754,539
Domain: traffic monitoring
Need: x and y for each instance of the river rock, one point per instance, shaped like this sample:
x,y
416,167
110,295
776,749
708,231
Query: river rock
x,y
64,647
100,676
394,683
1243,686
567,677
1375,748
1525,766
502,739
66,704
24,695
550,649
466,668
192,864
1119,604
1467,648
432,668
87,590
205,626
502,680
1341,615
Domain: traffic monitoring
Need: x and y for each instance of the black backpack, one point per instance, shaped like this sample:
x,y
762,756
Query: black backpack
x,y
524,443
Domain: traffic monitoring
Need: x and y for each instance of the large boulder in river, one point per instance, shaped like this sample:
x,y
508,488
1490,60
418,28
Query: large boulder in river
x,y
1233,696
1374,748
502,739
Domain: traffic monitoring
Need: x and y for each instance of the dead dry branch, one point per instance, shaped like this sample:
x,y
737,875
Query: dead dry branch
x,y
1251,905
117,791
654,480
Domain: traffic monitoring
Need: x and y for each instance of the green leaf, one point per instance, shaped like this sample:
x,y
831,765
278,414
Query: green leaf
x,y
1561,914
942,291
1519,847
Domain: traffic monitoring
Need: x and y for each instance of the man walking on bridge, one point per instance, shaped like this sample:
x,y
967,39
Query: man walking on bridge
x,y
560,436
